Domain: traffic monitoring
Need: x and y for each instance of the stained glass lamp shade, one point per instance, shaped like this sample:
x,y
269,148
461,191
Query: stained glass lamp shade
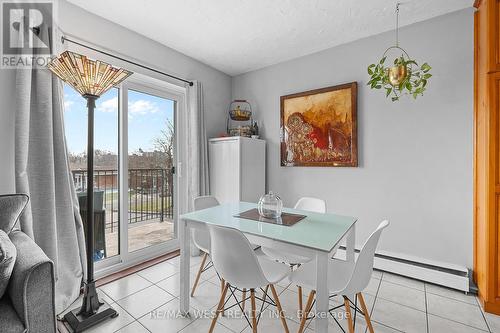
x,y
87,76
91,78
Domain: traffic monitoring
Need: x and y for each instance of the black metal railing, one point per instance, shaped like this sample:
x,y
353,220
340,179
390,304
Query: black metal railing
x,y
150,194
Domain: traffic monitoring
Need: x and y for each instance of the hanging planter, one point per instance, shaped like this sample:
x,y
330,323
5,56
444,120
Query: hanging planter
x,y
403,76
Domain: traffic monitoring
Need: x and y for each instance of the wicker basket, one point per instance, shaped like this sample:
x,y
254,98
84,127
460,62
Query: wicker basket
x,y
239,120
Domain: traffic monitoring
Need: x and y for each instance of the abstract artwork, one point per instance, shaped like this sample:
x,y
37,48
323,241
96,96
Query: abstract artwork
x,y
319,127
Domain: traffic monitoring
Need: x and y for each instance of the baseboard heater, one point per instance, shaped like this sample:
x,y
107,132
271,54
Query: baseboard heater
x,y
455,278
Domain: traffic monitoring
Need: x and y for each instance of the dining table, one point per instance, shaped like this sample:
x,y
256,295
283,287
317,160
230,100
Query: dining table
x,y
318,234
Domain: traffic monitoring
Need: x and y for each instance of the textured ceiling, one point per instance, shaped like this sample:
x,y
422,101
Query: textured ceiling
x,y
237,36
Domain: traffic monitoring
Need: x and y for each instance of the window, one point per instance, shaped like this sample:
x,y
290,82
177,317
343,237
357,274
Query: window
x,y
151,134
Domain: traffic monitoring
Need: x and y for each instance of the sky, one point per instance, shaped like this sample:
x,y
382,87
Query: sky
x,y
147,116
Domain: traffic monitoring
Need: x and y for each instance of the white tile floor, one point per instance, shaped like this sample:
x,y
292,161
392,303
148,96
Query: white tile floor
x,y
148,300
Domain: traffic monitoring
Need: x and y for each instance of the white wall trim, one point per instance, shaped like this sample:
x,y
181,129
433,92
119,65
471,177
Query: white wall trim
x,y
453,276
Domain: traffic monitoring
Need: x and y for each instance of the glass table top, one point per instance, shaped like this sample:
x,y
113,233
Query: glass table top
x,y
317,231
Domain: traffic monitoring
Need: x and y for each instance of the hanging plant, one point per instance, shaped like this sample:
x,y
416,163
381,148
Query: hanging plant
x,y
403,76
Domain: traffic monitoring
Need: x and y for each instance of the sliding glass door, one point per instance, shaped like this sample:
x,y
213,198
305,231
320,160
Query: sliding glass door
x,y
135,179
151,177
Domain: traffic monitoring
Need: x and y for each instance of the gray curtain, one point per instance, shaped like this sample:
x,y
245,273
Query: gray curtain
x,y
42,171
198,182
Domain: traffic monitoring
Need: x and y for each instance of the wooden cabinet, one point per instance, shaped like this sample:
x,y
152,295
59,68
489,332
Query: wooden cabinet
x,y
237,169
488,18
486,153
494,37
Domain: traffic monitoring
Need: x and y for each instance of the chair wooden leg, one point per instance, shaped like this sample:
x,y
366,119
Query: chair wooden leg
x,y
243,299
365,312
254,311
222,284
349,315
306,310
200,270
219,307
280,310
299,289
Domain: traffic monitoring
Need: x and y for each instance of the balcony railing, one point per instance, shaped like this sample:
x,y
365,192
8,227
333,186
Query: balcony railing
x,y
150,194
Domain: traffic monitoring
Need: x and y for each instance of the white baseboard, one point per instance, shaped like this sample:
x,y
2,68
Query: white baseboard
x,y
450,276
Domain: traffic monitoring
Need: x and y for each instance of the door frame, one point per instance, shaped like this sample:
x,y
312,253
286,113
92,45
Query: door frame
x,y
148,85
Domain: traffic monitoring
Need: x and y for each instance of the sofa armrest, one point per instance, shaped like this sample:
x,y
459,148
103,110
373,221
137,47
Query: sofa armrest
x,y
32,285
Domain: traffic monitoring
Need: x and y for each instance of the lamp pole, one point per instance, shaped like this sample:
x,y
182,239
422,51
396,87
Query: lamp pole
x,y
90,312
90,303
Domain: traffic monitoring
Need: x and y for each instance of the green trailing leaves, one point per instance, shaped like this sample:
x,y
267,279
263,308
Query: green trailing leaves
x,y
408,86
371,69
425,67
388,92
414,84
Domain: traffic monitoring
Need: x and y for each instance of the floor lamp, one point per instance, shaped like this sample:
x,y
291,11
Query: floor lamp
x,y
91,78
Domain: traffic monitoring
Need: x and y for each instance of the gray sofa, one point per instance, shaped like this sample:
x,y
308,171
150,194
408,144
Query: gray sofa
x,y
28,303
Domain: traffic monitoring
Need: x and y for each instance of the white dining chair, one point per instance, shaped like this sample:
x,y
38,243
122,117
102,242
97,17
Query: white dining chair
x,y
201,239
311,204
281,252
344,278
240,267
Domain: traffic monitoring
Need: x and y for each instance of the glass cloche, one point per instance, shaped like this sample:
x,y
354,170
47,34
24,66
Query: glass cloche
x,y
270,206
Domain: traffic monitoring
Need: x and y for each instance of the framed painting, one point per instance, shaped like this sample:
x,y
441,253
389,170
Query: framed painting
x,y
319,127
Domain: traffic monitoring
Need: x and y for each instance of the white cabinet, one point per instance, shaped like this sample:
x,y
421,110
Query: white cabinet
x,y
237,168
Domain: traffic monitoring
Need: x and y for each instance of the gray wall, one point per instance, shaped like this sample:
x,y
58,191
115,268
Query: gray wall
x,y
89,27
415,156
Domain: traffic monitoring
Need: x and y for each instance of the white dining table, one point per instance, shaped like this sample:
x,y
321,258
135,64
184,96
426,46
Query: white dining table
x,y
318,234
